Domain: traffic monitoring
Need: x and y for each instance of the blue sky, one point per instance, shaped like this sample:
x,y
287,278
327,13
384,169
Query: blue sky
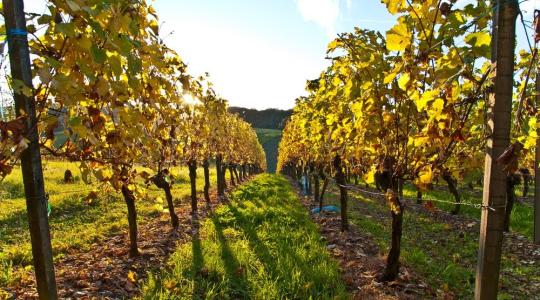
x,y
259,53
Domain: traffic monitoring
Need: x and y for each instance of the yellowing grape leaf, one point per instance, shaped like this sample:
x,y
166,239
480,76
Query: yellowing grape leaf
x,y
425,177
388,78
425,98
403,81
398,38
369,177
438,105
132,276
154,26
394,6
478,39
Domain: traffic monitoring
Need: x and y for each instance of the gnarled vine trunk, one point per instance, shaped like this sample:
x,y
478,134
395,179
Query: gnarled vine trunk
x,y
235,169
316,186
129,198
231,173
343,197
323,190
206,169
511,182
452,187
192,166
391,271
223,173
389,183
160,182
220,186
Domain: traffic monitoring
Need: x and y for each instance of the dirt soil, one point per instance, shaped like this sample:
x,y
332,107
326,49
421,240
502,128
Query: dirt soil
x,y
107,272
361,261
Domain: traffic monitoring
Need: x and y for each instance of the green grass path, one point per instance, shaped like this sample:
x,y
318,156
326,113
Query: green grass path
x,y
261,245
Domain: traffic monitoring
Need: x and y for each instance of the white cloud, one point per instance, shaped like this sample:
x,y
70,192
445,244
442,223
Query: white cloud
x,y
323,12
246,69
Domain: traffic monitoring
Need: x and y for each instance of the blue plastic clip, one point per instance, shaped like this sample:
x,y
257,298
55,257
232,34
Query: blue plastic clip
x,y
16,32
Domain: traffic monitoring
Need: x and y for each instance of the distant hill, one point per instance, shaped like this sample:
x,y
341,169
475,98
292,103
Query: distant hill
x,y
267,119
268,124
269,139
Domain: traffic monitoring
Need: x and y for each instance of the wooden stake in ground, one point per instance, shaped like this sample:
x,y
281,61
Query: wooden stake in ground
x,y
537,171
34,187
499,118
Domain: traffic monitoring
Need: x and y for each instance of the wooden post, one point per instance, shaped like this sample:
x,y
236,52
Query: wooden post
x,y
537,171
499,118
34,187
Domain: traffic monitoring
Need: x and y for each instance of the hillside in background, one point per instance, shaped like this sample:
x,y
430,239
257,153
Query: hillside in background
x,y
268,124
269,139
267,119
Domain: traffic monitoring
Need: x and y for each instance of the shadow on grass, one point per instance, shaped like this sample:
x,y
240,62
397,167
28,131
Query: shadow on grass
x,y
198,258
275,231
260,245
234,272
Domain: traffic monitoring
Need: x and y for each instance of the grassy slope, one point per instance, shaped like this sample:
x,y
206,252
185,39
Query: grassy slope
x,y
262,245
74,224
521,221
269,139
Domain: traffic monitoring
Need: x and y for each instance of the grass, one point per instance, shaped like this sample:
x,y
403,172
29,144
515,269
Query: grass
x,y
74,223
262,245
269,139
521,220
444,256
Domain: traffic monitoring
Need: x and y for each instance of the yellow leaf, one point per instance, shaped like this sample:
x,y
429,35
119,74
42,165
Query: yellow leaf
x,y
132,276
103,174
438,105
532,123
394,6
333,45
425,177
398,38
369,177
478,39
154,26
403,81
388,78
425,98
419,141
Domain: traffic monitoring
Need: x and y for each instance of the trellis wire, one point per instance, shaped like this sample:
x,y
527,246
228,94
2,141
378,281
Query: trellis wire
x,y
474,205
